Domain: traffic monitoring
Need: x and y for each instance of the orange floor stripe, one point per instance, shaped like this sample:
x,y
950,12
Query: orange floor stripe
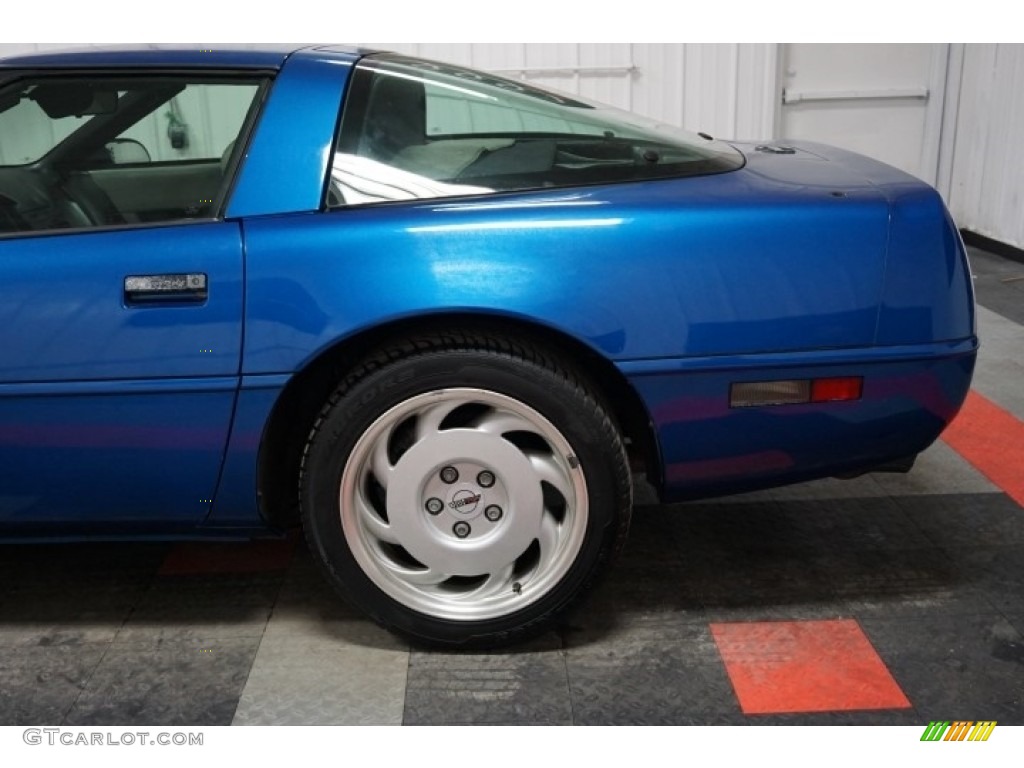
x,y
993,441
196,558
805,666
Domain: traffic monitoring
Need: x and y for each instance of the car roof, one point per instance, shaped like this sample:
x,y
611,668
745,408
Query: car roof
x,y
226,56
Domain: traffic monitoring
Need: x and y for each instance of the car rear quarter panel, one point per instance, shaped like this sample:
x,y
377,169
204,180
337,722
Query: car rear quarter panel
x,y
648,275
690,267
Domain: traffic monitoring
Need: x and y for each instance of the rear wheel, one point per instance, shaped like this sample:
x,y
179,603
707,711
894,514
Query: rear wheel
x,y
464,490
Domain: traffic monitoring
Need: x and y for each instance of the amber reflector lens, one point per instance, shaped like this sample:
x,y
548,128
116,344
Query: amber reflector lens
x,y
830,390
750,393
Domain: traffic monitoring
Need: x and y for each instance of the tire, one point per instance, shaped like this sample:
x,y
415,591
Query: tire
x,y
464,490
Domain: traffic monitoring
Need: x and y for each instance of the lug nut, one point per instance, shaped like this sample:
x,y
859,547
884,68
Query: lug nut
x,y
461,529
449,475
485,479
434,505
493,513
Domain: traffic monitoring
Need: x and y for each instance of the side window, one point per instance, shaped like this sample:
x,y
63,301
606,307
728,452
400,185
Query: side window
x,y
119,150
452,114
414,129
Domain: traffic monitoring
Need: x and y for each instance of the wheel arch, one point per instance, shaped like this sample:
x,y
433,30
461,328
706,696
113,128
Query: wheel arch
x,y
302,398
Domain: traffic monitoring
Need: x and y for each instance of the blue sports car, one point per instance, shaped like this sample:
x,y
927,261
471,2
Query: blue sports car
x,y
439,318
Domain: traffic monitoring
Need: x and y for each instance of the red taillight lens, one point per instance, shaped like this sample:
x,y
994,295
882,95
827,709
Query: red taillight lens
x,y
830,390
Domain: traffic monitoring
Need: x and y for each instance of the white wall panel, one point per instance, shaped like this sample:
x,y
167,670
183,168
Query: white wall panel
x,y
613,86
757,92
879,99
986,192
657,89
708,106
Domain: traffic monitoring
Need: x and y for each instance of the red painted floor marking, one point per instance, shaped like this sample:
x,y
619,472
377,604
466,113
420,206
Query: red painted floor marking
x,y
196,558
805,666
992,440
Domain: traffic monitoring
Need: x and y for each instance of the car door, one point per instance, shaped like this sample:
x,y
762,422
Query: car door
x,y
120,325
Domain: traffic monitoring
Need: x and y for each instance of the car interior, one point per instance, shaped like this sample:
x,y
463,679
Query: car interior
x,y
94,176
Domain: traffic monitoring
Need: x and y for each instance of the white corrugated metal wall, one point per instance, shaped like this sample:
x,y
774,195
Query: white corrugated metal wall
x,y
985,182
731,90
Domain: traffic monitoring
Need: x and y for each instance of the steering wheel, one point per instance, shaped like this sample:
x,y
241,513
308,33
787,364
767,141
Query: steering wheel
x,y
35,199
33,204
11,219
81,190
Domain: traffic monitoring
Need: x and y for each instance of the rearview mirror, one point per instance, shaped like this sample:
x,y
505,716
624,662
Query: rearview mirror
x,y
65,99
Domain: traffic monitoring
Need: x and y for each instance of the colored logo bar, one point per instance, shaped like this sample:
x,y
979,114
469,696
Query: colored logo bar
x,y
959,730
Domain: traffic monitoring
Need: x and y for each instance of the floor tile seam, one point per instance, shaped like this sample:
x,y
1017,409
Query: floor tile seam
x,y
724,667
149,587
564,666
110,645
85,686
405,688
256,652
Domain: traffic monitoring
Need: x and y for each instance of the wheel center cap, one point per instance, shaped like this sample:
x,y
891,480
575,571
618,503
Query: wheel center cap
x,y
464,502
491,545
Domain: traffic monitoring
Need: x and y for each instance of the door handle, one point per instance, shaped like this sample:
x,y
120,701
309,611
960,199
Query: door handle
x,y
189,288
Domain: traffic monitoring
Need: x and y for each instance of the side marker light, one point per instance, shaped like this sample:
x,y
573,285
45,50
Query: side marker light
x,y
748,394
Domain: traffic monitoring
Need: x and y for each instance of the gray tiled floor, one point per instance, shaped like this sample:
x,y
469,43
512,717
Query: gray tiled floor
x,y
999,283
528,685
1000,367
178,682
324,679
953,667
187,607
322,664
657,674
941,599
39,685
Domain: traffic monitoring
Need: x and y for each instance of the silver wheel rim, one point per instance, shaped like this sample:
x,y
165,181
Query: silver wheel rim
x,y
464,504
